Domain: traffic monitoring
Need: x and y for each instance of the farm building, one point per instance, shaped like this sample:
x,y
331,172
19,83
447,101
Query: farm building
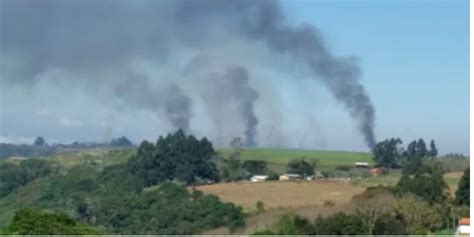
x,y
464,227
376,171
361,165
258,178
287,177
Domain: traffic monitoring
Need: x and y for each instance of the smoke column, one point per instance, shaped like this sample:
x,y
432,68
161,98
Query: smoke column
x,y
88,39
264,20
138,91
230,90
241,91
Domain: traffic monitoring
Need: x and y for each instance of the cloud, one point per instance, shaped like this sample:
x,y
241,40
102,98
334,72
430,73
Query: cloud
x,y
16,140
67,122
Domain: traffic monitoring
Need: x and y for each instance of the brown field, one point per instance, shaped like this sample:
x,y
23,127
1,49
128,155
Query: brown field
x,y
452,179
278,194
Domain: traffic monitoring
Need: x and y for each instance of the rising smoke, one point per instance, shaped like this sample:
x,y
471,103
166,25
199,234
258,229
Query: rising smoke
x,y
89,39
233,86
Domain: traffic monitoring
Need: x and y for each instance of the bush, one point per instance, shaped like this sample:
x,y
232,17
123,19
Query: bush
x,y
329,203
389,225
344,168
340,224
359,173
255,167
36,222
339,174
428,183
272,175
260,206
301,167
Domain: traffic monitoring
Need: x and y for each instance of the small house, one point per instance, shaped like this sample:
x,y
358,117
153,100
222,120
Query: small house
x,y
287,177
464,227
258,178
361,165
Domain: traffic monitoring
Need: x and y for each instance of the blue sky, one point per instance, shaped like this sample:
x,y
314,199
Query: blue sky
x,y
414,56
415,61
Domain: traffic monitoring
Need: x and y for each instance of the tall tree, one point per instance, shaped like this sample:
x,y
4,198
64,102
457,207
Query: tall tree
x,y
433,151
413,156
175,157
421,150
387,153
39,141
462,194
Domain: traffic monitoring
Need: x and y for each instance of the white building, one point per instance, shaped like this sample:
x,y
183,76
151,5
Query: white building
x,y
286,177
464,228
258,178
361,164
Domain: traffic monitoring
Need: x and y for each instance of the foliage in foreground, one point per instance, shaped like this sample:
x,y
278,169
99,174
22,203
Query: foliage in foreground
x,y
146,195
428,183
36,222
337,224
462,194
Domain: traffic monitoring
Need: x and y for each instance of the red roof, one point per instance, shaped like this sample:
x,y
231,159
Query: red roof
x,y
464,221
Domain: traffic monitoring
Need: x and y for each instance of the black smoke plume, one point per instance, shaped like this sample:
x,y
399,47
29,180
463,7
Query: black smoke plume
x,y
90,38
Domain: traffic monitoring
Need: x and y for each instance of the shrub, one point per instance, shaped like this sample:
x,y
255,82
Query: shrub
x,y
36,222
260,206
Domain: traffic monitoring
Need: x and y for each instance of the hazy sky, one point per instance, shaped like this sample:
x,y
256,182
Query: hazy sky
x,y
414,57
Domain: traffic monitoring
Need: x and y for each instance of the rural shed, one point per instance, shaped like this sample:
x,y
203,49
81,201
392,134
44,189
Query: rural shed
x,y
376,171
361,164
258,178
286,177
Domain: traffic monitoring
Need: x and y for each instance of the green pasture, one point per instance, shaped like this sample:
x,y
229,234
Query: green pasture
x,y
280,157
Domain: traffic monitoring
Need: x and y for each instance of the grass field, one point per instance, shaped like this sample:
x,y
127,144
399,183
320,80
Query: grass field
x,y
277,194
276,158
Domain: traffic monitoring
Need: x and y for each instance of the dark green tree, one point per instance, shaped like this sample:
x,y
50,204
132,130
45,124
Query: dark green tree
x,y
387,153
255,167
340,224
389,225
39,141
428,183
421,150
301,167
175,157
462,194
433,151
413,157
121,142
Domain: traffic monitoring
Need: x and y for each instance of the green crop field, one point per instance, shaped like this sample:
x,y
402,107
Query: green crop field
x,y
280,157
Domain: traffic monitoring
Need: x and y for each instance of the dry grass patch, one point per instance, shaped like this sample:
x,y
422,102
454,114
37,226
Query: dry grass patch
x,y
277,194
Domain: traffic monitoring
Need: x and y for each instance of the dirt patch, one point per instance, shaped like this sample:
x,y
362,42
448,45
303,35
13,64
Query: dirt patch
x,y
277,194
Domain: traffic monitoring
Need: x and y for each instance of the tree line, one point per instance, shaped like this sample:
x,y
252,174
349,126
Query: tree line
x,y
146,195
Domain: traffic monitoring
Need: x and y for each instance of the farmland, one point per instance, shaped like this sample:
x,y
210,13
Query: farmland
x,y
280,157
304,197
283,194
